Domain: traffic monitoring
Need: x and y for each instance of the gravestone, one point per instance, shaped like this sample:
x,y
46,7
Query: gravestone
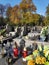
x,y
22,29
22,44
25,32
8,28
28,29
18,31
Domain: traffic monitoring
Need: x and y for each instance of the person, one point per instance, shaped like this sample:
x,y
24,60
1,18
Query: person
x,y
9,52
22,45
8,48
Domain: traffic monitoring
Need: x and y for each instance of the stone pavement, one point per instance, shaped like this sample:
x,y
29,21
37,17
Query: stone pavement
x,y
29,42
17,62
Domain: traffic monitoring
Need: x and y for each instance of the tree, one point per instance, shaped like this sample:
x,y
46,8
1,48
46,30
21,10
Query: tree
x,y
2,10
46,21
2,21
47,10
41,20
27,7
22,13
8,12
15,15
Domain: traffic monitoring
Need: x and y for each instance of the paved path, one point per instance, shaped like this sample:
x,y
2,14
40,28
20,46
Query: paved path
x,y
29,42
17,62
20,62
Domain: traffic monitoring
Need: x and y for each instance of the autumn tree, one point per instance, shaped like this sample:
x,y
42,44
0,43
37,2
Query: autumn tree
x,y
46,21
22,13
27,7
15,14
8,12
41,20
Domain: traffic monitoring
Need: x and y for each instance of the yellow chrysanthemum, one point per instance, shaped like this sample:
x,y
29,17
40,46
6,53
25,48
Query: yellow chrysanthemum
x,y
40,60
31,62
36,51
43,60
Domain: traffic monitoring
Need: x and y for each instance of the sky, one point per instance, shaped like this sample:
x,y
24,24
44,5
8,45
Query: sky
x,y
40,4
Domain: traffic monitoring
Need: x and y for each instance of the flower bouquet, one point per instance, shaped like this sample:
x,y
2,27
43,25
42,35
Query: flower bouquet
x,y
39,57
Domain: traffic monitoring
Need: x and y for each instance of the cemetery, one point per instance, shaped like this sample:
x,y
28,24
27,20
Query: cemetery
x,y
24,33
33,43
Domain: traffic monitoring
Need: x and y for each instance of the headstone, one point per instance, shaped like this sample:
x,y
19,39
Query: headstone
x,y
18,30
8,28
22,29
25,32
22,43
12,27
28,29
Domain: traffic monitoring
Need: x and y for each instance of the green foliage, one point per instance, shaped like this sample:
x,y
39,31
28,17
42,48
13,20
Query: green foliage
x,y
46,21
47,63
2,31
